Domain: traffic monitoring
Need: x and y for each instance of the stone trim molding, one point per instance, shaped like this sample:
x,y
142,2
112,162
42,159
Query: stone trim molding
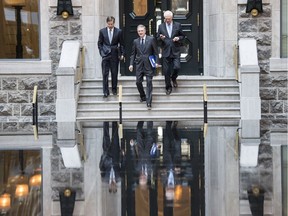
x,y
278,64
24,141
24,68
245,1
75,3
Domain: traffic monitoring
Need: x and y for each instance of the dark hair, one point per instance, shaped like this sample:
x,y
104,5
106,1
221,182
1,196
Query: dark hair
x,y
110,18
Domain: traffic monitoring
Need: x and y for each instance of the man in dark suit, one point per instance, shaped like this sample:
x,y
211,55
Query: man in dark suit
x,y
142,48
169,36
111,49
110,165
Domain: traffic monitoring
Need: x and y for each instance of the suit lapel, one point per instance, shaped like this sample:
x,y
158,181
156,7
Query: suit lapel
x,y
165,29
114,34
106,35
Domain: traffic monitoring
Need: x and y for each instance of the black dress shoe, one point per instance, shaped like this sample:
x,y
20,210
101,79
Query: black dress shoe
x,y
114,92
142,99
168,91
149,106
105,95
175,84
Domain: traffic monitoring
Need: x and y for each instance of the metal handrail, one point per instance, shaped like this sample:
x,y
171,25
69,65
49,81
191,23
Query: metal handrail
x,y
205,101
79,74
236,48
236,147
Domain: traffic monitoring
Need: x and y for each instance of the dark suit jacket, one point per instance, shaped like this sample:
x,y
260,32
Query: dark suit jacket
x,y
116,48
141,56
168,46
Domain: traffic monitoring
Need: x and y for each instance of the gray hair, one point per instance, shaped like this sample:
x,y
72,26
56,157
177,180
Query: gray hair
x,y
168,13
141,26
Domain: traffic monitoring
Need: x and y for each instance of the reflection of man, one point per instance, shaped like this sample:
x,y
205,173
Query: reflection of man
x,y
171,157
110,159
144,144
142,48
111,49
170,35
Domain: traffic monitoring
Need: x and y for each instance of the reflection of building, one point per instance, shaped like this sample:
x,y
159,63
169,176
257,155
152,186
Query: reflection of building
x,y
222,28
180,7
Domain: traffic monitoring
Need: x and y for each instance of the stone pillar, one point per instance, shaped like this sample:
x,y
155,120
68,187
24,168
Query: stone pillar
x,y
221,172
66,104
94,13
220,37
250,102
277,139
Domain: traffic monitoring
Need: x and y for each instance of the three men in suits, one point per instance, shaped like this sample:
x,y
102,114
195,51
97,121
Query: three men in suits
x,y
169,36
111,49
143,47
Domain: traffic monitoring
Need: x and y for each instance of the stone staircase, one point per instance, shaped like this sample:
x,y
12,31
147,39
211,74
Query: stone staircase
x,y
184,103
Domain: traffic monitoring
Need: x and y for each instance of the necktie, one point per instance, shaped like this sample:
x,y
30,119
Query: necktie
x,y
110,35
169,30
142,43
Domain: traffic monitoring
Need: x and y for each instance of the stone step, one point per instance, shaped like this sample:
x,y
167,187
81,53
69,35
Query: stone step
x,y
185,102
157,104
212,119
174,96
160,112
185,80
93,89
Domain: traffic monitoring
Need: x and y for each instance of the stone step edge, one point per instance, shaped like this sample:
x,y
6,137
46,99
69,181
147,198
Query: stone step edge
x,y
186,117
160,109
162,86
159,93
161,77
161,101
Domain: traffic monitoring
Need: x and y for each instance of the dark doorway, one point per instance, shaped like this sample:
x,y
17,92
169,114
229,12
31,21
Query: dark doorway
x,y
150,14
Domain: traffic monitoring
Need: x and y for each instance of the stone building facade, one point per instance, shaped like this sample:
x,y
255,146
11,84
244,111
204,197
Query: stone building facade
x,y
16,88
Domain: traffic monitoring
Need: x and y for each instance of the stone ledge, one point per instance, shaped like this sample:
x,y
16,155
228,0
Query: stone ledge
x,y
279,65
279,138
75,3
245,2
25,141
24,68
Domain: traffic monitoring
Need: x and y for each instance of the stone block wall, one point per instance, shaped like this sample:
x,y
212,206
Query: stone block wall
x,y
273,94
16,95
61,30
61,177
259,28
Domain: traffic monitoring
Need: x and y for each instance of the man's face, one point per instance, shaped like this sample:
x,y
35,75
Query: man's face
x,y
168,19
110,24
141,31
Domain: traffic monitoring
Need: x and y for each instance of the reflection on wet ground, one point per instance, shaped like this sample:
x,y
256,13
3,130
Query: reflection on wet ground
x,y
179,168
157,168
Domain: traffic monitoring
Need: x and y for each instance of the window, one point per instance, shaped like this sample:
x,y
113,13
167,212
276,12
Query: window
x,y
19,22
20,182
284,179
284,28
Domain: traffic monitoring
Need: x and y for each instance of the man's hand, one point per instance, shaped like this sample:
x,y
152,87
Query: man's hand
x,y
176,39
131,68
162,36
